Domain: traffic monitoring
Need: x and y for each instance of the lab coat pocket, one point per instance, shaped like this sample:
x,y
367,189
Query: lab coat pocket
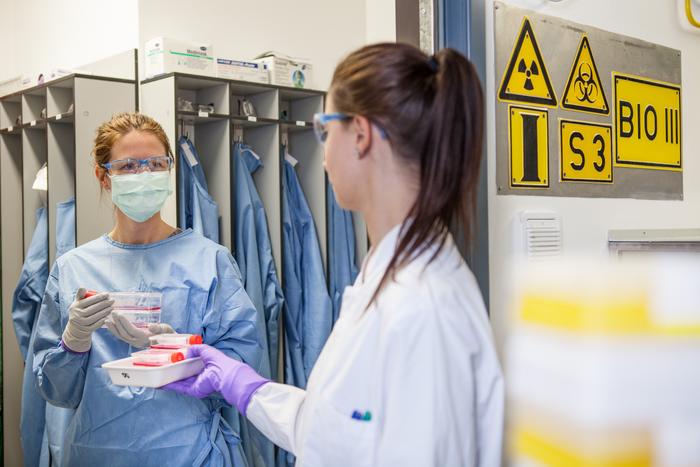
x,y
183,308
337,438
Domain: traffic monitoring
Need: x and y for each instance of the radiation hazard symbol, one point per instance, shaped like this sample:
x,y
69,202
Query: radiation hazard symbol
x,y
526,78
584,90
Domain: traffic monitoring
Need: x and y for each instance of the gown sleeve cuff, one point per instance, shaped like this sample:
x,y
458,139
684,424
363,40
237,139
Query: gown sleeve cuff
x,y
69,350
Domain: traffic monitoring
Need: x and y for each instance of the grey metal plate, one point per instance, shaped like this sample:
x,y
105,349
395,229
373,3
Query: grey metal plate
x,y
559,41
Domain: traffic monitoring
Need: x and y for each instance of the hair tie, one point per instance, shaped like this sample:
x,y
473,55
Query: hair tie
x,y
433,64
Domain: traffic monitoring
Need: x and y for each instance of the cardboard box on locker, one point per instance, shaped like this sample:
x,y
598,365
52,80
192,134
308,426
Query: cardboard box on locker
x,y
61,72
287,71
165,55
10,86
29,81
242,70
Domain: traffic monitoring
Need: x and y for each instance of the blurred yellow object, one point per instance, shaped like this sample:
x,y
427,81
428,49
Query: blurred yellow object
x,y
591,315
602,364
689,14
544,449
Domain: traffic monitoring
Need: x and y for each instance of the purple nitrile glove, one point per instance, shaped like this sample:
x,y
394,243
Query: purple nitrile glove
x,y
235,380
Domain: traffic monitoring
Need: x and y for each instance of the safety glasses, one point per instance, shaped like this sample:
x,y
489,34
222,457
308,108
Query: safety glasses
x,y
132,166
321,121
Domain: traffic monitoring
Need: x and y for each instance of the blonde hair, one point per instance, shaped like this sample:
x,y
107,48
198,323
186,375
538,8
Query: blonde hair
x,y
120,125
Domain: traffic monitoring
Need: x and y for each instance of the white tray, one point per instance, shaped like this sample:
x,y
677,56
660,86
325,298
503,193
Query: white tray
x,y
124,373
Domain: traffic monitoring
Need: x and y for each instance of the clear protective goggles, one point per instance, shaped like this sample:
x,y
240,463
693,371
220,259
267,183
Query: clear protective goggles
x,y
132,166
321,121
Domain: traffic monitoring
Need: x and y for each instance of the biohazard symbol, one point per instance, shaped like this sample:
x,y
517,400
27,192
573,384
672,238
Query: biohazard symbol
x,y
526,78
585,85
584,90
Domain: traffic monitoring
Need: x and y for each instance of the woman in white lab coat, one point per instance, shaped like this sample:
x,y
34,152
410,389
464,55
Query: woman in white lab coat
x,y
409,375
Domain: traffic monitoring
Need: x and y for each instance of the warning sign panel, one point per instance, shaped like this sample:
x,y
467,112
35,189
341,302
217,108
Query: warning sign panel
x,y
583,112
584,90
526,78
529,152
586,151
647,123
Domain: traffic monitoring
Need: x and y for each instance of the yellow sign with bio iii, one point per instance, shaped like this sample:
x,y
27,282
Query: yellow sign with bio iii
x,y
529,147
586,151
647,123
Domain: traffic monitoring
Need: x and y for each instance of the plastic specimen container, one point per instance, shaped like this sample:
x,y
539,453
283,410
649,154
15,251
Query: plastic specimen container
x,y
157,357
174,341
124,372
139,308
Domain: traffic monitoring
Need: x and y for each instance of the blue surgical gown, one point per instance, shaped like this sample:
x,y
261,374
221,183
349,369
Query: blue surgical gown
x,y
25,306
341,246
42,425
308,311
254,257
65,226
308,314
32,281
57,418
196,208
254,250
127,426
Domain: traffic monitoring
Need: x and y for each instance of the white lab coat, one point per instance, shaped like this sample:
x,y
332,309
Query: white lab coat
x,y
421,361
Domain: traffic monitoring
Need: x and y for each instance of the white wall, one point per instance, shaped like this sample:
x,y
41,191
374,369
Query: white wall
x,y
381,20
46,34
8,39
38,35
320,30
585,222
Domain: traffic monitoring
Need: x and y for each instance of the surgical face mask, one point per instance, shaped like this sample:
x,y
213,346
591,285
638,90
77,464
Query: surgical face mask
x,y
140,195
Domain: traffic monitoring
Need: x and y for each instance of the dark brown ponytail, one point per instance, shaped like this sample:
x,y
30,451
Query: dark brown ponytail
x,y
432,111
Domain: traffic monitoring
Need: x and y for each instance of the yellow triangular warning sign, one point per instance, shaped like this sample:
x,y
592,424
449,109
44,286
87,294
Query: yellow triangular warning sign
x,y
584,90
526,78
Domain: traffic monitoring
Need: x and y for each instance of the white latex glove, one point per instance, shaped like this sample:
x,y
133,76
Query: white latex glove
x,y
84,316
122,329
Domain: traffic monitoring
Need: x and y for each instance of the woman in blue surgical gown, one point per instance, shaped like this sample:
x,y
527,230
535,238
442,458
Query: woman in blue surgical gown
x,y
202,294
